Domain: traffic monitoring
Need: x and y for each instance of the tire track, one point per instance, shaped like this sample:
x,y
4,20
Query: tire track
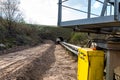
x,y
64,67
12,65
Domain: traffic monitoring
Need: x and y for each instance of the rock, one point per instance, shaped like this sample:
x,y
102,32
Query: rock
x,y
2,45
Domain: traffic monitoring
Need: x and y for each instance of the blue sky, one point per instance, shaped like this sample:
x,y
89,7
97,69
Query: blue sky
x,y
45,11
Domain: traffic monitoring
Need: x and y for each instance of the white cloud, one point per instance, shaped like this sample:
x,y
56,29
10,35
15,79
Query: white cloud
x,y
45,12
96,5
40,11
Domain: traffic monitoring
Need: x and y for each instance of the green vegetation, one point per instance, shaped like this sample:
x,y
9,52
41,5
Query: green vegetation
x,y
27,34
20,35
79,38
52,33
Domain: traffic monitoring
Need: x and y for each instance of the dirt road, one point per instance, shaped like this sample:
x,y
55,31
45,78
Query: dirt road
x,y
44,62
27,64
64,67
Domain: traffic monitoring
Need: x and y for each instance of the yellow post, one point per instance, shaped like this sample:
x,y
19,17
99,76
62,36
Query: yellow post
x,y
90,64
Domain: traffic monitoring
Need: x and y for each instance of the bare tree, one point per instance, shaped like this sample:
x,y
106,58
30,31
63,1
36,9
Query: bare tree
x,y
10,12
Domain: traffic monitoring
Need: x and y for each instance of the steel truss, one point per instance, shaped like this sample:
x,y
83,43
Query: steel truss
x,y
95,23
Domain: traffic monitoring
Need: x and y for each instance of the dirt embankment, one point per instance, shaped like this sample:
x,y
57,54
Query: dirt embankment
x,y
45,62
29,64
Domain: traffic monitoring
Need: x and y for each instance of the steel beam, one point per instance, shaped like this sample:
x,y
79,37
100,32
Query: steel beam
x,y
59,12
64,1
96,20
116,10
79,10
89,8
104,8
70,47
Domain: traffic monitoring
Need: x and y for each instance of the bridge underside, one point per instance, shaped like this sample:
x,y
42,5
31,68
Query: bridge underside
x,y
102,25
99,22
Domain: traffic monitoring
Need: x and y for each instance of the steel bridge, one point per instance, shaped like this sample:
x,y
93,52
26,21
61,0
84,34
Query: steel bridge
x,y
109,17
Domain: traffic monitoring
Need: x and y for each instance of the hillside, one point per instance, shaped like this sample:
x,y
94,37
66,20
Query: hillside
x,y
27,34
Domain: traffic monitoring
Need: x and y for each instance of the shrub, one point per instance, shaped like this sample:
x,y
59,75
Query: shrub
x,y
79,38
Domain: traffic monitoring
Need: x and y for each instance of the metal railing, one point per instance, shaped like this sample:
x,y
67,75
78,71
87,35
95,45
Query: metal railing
x,y
108,13
70,47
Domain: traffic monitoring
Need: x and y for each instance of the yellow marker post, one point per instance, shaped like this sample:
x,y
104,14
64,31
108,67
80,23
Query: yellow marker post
x,y
90,64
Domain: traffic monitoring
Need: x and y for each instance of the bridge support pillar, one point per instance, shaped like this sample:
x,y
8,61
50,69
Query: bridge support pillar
x,y
113,58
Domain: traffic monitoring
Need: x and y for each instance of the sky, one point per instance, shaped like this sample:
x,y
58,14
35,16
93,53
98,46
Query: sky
x,y
40,11
45,12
